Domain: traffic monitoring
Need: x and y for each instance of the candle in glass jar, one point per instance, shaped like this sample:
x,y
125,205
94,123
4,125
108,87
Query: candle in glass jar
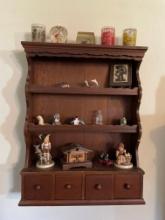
x,y
108,36
38,32
129,37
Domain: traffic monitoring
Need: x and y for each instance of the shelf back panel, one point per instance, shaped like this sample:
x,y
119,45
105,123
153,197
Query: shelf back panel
x,y
50,73
113,108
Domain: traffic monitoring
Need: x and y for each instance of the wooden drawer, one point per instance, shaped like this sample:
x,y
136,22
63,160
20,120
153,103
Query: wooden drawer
x,y
99,187
68,186
37,187
127,186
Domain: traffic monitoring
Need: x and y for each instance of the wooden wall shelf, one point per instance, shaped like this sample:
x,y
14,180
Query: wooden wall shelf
x,y
83,91
50,64
82,128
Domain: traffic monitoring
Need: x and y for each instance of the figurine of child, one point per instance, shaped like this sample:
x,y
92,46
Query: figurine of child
x,y
123,159
43,152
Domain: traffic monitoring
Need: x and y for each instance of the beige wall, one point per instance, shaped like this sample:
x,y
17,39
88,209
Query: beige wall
x,y
16,17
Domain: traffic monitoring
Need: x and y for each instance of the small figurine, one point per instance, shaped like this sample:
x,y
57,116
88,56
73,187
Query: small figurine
x,y
104,159
77,121
62,85
43,152
56,119
98,117
123,121
123,159
40,120
75,155
91,83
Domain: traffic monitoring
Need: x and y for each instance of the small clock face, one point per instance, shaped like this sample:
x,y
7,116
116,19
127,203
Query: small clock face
x,y
58,34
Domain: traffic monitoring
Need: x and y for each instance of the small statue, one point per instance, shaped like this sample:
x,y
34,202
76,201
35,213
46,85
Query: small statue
x,y
56,119
123,159
43,152
77,121
91,83
40,120
123,121
104,159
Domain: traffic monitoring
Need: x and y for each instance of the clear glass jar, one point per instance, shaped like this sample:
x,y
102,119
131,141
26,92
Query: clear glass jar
x,y
108,36
98,117
129,37
38,32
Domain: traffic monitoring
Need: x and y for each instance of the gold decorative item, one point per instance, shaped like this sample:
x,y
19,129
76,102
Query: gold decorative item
x,y
85,38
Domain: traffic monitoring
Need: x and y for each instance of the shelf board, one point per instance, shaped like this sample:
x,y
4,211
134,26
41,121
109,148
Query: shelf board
x,y
82,128
96,167
82,91
92,51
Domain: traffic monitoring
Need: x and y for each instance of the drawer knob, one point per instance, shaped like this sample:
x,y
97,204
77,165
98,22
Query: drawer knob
x,y
127,186
37,187
68,186
98,186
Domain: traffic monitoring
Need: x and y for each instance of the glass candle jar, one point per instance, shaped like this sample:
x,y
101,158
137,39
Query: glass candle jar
x,y
38,32
129,37
108,36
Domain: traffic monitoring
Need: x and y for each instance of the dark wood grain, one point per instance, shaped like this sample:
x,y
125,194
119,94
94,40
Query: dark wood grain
x,y
127,186
68,186
99,187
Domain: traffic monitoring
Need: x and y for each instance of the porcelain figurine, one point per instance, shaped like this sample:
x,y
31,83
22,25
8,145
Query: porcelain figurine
x,y
123,159
56,119
40,120
62,85
77,121
123,121
104,159
43,152
91,83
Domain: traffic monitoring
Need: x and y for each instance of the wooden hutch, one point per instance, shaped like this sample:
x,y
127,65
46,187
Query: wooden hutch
x,y
49,64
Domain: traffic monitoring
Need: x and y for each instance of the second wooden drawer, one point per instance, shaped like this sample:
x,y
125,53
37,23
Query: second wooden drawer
x,y
68,186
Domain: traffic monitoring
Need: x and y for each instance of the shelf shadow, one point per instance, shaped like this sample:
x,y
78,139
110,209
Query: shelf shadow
x,y
13,126
158,137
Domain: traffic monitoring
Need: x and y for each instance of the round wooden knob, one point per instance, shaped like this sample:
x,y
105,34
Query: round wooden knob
x,y
37,187
98,186
127,186
68,186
